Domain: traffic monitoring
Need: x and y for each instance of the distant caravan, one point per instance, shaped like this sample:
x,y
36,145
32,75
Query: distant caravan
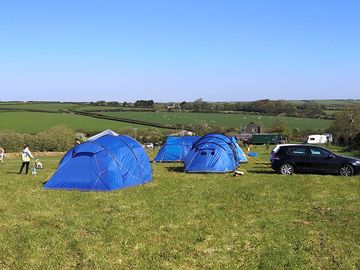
x,y
317,139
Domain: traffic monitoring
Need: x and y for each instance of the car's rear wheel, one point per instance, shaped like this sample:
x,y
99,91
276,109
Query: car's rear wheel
x,y
346,170
286,169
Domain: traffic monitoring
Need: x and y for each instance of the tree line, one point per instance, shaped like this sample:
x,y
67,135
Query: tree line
x,y
269,107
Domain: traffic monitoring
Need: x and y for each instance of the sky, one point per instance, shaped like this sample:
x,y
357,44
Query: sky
x,y
179,50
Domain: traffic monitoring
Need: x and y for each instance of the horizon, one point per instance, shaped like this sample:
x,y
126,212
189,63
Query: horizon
x,y
180,50
189,101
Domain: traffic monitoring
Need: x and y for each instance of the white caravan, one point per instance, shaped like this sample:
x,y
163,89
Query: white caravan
x,y
317,139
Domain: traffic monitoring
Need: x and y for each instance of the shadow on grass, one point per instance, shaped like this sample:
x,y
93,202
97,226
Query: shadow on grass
x,y
12,172
261,167
175,169
262,172
263,163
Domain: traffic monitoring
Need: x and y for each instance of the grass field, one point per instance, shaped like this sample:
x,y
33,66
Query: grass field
x,y
52,107
34,122
182,221
222,120
328,102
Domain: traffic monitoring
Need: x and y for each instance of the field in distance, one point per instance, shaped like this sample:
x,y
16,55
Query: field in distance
x,y
34,122
221,119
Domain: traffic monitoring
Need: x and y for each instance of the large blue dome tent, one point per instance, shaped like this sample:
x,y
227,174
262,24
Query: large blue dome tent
x,y
212,153
105,164
175,148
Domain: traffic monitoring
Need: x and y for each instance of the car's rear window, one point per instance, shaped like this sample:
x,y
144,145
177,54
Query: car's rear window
x,y
296,151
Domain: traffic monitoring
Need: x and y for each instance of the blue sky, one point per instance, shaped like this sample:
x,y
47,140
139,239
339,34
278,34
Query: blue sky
x,y
174,50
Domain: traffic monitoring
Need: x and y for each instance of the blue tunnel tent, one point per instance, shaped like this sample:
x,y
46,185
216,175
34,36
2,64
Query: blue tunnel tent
x,y
212,153
105,164
175,148
240,153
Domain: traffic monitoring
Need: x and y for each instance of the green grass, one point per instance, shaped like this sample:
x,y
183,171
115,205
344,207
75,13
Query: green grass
x,y
182,221
53,107
34,122
30,122
328,102
343,102
222,120
110,108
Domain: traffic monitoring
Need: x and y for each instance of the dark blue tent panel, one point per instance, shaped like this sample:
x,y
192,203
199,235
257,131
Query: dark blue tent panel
x,y
108,163
175,148
212,153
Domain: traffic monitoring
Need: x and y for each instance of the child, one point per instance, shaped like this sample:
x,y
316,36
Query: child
x,y
25,157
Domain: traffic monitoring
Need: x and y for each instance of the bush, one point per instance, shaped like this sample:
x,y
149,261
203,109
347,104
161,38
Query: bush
x,y
11,141
151,135
58,138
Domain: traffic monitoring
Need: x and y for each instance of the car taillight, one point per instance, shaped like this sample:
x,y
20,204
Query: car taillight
x,y
274,157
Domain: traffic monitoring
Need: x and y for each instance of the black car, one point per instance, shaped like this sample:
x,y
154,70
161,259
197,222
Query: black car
x,y
291,158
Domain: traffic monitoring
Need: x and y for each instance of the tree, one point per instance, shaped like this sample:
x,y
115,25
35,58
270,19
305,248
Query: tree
x,y
346,125
144,103
280,126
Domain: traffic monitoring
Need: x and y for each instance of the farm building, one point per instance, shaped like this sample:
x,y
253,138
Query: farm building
x,y
247,132
252,128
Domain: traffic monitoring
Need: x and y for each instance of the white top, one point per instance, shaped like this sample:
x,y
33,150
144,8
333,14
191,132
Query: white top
x,y
105,132
26,155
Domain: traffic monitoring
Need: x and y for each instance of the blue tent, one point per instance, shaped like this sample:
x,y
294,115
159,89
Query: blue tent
x,y
212,153
107,163
175,148
239,152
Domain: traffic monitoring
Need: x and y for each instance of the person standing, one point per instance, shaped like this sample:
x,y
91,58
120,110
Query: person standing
x,y
25,156
2,155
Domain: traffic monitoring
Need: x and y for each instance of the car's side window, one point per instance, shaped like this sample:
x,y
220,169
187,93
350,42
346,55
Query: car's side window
x,y
318,152
297,151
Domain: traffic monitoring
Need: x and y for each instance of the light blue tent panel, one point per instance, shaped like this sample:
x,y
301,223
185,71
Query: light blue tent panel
x,y
175,148
105,164
240,153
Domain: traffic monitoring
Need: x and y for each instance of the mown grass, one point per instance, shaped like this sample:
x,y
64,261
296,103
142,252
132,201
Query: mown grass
x,y
34,122
52,106
220,119
182,221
